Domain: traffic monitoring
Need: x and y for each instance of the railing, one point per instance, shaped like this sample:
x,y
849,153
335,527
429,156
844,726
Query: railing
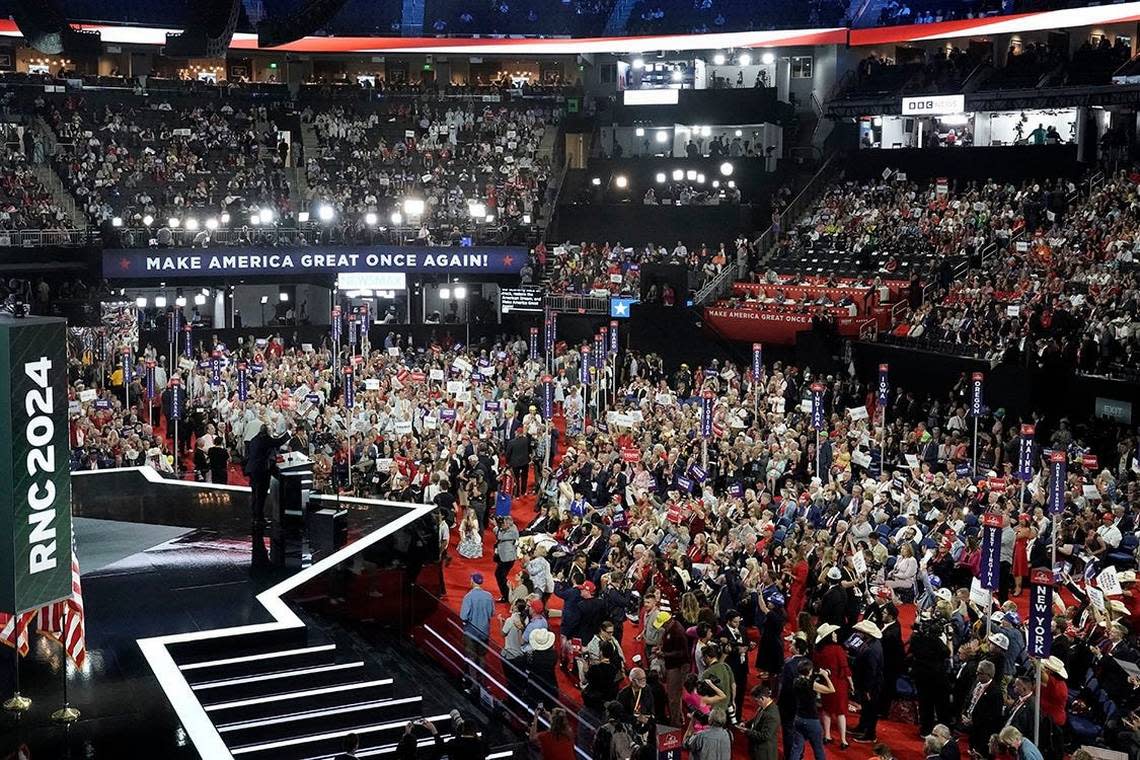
x,y
44,238
577,304
899,312
718,286
989,252
868,330
928,291
548,215
805,197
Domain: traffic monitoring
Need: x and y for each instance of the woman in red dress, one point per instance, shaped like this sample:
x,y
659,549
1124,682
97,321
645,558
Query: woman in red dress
x,y
798,592
829,655
1023,534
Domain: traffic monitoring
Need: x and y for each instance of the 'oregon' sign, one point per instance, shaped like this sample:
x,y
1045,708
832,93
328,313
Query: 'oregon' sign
x,y
35,472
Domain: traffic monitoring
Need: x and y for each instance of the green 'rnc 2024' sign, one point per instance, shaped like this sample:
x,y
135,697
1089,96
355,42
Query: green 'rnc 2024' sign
x,y
35,472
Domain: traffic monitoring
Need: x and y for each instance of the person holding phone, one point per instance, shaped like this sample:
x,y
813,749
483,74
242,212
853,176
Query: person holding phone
x,y
808,685
557,741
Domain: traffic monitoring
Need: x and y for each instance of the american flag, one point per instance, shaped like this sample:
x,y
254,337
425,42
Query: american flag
x,y
14,630
63,620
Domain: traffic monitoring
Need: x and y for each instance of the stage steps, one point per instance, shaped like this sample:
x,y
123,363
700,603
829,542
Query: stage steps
x,y
287,694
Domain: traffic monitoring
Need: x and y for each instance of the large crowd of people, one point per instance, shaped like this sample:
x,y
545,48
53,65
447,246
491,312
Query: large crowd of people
x,y
459,158
1065,294
750,580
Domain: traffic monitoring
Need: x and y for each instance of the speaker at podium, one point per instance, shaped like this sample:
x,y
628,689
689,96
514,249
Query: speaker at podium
x,y
289,490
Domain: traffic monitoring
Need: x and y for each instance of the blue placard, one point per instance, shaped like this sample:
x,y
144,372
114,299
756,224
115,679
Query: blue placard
x,y
1025,453
817,413
977,403
706,414
1041,613
991,552
685,484
242,381
884,390
584,366
1058,474
757,361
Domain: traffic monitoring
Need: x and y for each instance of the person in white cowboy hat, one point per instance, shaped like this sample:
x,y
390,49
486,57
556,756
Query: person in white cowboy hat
x,y
868,677
540,665
1054,690
832,657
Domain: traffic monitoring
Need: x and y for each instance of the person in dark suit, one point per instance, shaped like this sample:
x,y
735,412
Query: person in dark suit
x,y
1020,713
982,711
867,671
517,452
764,727
259,452
894,657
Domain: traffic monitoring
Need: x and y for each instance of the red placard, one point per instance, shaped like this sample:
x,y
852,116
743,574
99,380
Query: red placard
x,y
992,520
1089,461
1040,576
630,455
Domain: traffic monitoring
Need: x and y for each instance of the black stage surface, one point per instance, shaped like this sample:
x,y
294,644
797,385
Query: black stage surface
x,y
146,574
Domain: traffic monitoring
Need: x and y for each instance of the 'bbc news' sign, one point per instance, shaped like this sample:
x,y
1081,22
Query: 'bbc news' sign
x,y
933,105
35,478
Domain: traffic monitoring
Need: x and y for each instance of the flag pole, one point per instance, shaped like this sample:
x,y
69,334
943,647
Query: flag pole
x,y
67,713
17,703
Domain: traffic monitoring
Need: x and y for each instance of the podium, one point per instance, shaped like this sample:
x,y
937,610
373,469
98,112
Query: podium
x,y
289,489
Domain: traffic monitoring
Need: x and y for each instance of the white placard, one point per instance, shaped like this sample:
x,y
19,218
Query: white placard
x,y
911,461
461,364
1096,598
371,383
859,563
403,427
862,459
858,413
1090,492
88,395
980,596
393,351
430,422
435,374
73,407
455,386
307,348
805,406
463,397
665,399
933,105
487,371
1108,583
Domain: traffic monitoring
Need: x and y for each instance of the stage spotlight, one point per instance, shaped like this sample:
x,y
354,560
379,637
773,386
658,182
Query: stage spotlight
x,y
141,302
211,224
325,212
726,169
116,221
768,59
160,302
621,181
663,136
173,222
370,219
678,175
745,59
640,131
660,177
718,59
148,220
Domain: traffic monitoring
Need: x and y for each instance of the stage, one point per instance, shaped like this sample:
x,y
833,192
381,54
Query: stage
x,y
166,564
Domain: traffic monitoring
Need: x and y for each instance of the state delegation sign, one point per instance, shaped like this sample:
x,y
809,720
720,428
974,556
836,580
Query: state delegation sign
x,y
174,263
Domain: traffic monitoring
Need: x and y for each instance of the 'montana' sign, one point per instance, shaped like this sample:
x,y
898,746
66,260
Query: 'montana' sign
x,y
172,263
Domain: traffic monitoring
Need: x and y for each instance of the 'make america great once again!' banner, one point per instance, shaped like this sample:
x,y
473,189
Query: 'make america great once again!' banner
x,y
174,263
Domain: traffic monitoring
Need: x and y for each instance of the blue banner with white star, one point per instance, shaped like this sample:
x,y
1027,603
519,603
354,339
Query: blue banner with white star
x,y
175,263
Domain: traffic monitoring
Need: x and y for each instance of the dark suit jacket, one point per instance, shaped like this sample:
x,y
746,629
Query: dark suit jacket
x,y
987,719
762,731
517,452
259,451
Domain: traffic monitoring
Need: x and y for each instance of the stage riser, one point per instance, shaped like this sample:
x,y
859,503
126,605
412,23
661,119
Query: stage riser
x,y
395,712
301,704
266,663
330,747
266,687
235,646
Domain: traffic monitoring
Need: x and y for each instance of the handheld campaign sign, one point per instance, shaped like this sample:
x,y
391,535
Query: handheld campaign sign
x,y
1040,612
976,401
1025,453
1057,475
817,416
991,550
